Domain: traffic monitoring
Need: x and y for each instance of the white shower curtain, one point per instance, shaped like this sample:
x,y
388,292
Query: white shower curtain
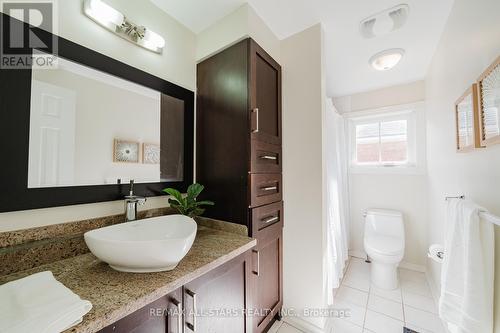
x,y
337,197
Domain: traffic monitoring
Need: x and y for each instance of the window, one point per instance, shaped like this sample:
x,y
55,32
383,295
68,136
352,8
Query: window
x,y
382,142
386,138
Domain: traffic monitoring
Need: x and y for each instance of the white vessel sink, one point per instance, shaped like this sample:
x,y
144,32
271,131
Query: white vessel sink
x,y
150,245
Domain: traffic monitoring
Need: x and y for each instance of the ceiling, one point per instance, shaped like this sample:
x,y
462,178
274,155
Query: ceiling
x,y
346,51
198,15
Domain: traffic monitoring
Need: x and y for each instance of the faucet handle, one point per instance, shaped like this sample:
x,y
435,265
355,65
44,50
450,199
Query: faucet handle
x,y
131,192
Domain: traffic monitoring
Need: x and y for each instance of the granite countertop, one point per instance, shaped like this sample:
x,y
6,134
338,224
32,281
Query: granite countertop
x,y
115,295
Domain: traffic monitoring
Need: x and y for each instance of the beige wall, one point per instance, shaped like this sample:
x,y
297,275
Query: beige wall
x,y
228,30
396,95
177,64
303,89
390,189
242,23
470,42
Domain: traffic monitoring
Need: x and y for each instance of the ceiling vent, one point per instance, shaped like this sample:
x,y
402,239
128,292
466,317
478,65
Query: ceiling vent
x,y
385,22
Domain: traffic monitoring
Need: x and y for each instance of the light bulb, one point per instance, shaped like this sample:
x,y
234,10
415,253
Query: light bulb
x,y
152,38
104,13
387,59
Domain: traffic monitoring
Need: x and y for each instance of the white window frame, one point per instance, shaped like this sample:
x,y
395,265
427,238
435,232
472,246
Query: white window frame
x,y
414,115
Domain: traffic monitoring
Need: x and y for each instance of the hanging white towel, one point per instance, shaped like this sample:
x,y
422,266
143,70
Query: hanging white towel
x,y
39,303
467,277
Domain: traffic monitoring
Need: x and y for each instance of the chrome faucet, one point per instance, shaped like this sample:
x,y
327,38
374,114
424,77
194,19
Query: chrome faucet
x,y
131,202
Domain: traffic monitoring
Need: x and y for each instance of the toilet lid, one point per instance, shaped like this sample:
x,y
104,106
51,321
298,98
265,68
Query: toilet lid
x,y
385,245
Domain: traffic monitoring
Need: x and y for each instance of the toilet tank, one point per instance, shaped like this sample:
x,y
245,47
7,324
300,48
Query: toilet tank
x,y
384,221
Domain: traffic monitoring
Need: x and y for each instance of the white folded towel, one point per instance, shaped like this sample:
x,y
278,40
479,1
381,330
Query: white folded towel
x,y
467,278
39,303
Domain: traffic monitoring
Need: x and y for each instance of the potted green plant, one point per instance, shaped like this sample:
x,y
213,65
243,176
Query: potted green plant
x,y
188,205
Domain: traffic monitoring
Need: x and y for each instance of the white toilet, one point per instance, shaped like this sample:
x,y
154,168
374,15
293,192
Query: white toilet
x,y
384,243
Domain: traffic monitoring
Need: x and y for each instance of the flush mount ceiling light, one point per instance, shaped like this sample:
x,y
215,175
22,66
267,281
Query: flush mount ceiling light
x,y
116,22
384,22
387,59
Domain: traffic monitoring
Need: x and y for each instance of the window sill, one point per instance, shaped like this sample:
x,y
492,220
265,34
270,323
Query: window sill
x,y
386,170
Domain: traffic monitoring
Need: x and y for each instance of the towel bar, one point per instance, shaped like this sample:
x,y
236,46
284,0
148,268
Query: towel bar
x,y
490,217
484,215
457,197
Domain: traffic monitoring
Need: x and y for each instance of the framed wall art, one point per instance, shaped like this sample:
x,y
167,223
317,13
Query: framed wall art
x,y
150,153
467,120
489,104
126,151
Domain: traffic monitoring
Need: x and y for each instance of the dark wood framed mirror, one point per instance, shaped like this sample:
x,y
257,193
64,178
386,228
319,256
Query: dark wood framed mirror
x,y
123,124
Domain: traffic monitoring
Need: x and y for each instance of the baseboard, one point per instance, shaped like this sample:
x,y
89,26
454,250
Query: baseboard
x,y
432,285
303,325
357,254
412,267
406,265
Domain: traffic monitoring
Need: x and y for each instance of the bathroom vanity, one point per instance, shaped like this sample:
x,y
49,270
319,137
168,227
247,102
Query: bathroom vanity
x,y
219,296
213,280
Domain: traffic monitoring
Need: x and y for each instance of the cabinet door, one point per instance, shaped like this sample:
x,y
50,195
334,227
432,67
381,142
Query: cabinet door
x,y
265,96
215,302
161,316
268,294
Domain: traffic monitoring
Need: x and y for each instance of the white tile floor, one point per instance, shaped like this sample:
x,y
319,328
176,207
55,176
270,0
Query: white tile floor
x,y
374,310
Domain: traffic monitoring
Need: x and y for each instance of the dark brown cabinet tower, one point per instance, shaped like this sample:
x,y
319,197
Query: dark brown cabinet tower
x,y
239,158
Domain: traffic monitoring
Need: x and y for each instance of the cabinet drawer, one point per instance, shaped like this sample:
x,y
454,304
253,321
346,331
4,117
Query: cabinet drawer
x,y
266,158
266,216
265,189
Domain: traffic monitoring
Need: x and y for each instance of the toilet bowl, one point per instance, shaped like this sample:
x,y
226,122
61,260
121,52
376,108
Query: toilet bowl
x,y
384,243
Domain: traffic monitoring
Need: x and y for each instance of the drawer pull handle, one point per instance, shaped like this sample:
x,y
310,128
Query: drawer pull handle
x,y
257,272
269,157
270,219
269,188
256,111
192,326
178,305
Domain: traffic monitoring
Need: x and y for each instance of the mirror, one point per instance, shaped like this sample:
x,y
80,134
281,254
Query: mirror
x,y
80,132
91,128
489,90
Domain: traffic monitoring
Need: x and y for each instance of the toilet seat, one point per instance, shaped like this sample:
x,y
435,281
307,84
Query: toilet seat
x,y
384,245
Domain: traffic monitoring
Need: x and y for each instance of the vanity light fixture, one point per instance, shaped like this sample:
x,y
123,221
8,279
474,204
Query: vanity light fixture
x,y
113,20
387,59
